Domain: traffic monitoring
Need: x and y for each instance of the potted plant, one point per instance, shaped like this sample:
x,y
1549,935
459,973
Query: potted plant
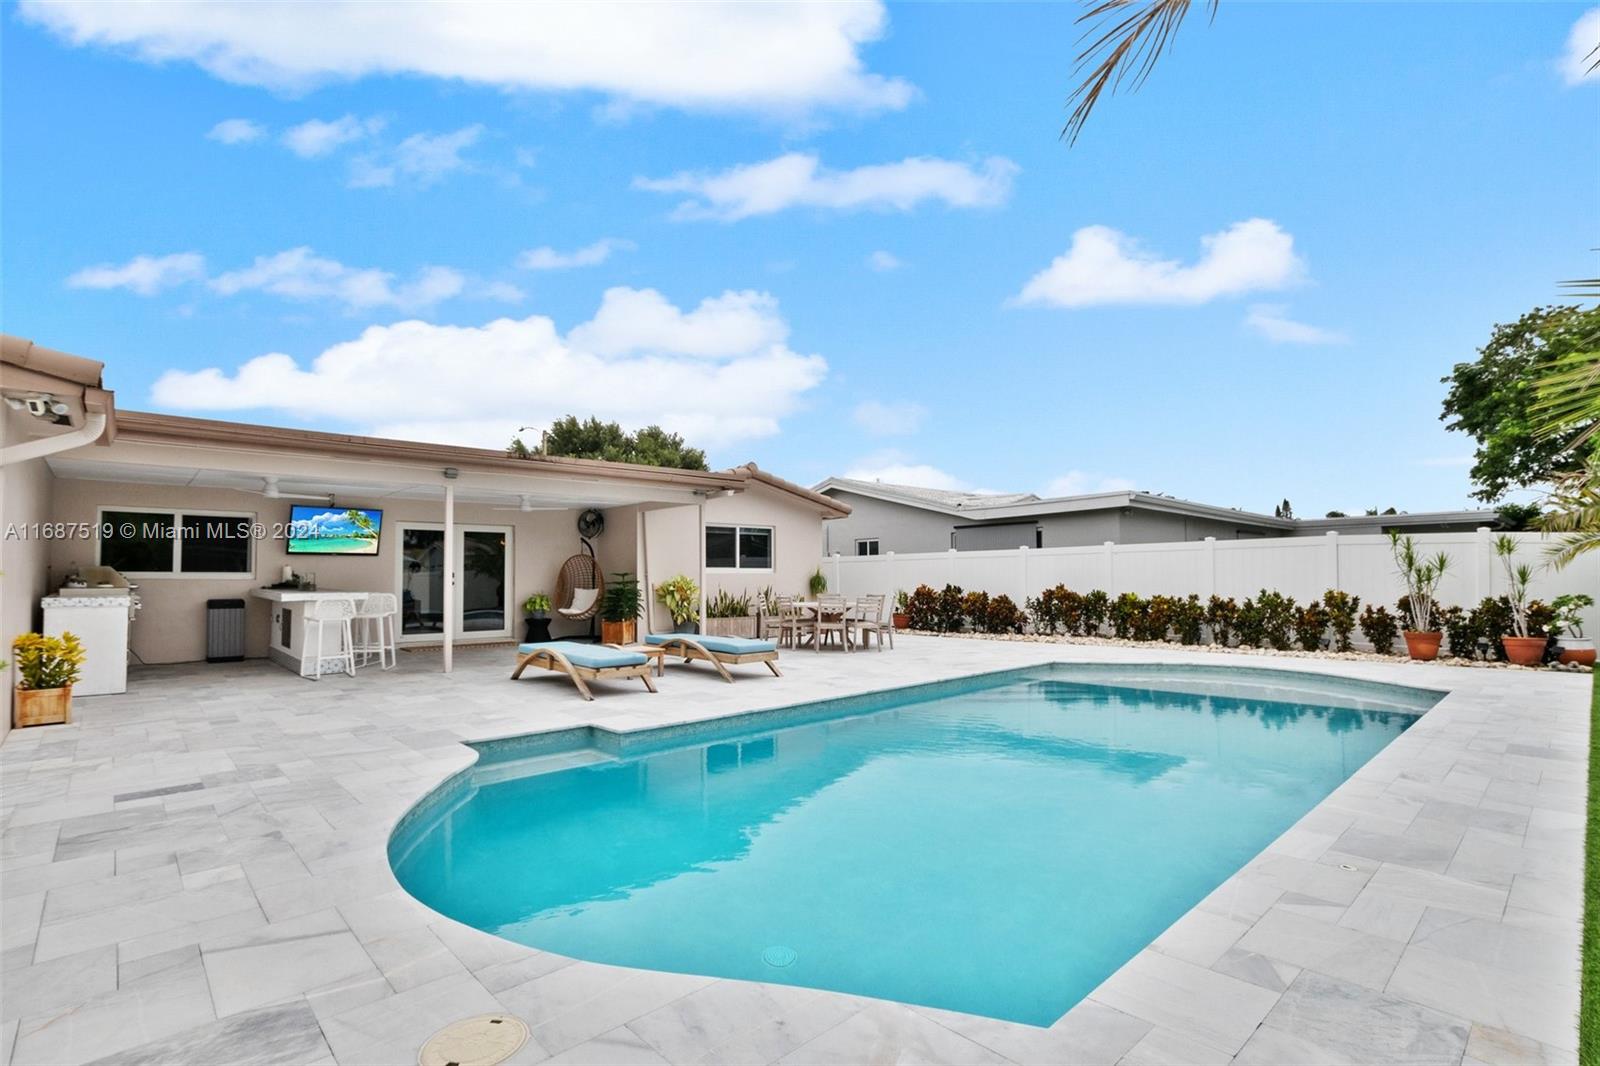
x,y
902,610
46,668
728,615
536,626
680,595
817,583
1522,647
619,613
1422,577
1568,628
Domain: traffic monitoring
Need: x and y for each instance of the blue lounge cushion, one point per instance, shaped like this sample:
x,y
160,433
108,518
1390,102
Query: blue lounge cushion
x,y
594,656
725,645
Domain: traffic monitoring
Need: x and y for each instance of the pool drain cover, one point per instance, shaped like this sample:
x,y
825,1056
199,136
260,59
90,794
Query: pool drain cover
x,y
779,956
481,1041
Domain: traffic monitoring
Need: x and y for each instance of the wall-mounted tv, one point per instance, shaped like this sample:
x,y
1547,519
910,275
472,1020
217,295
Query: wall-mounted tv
x,y
334,530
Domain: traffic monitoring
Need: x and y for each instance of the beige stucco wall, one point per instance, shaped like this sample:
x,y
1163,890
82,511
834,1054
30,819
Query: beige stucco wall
x,y
25,491
171,628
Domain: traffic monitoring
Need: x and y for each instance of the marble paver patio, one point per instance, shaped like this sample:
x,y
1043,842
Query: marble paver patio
x,y
195,871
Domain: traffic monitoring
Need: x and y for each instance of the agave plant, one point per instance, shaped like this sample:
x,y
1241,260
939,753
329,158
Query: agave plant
x,y
1422,577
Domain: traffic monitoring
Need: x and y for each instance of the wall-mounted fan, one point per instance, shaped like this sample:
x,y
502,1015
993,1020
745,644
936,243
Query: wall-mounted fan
x,y
591,523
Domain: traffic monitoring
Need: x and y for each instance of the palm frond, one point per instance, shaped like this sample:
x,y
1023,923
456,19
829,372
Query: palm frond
x,y
1122,44
1575,513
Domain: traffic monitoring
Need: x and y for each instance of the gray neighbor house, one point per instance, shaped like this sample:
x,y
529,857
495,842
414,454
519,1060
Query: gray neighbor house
x,y
903,518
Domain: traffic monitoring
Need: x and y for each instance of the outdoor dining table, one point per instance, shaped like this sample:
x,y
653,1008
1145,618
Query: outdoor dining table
x,y
813,606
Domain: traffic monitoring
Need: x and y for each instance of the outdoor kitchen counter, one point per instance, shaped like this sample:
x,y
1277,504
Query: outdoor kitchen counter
x,y
288,633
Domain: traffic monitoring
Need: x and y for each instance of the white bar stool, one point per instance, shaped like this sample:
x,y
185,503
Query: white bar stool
x,y
325,613
375,628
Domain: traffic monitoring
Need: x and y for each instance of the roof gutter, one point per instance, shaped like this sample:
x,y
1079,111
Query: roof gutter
x,y
94,424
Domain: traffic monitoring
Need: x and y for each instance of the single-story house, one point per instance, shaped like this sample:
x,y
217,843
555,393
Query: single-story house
x,y
904,518
193,510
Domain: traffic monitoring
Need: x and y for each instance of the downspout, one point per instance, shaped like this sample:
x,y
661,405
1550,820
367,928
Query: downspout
x,y
94,424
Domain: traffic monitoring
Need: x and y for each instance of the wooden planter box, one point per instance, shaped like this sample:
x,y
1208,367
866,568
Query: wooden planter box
x,y
42,706
732,627
619,632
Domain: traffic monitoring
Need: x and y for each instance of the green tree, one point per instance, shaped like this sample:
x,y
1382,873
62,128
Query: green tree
x,y
594,439
1493,400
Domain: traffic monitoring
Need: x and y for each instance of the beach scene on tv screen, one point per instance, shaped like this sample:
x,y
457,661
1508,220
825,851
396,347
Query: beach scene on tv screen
x,y
330,531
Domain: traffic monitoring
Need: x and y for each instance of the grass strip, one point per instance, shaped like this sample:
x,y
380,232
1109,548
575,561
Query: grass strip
x,y
1589,1008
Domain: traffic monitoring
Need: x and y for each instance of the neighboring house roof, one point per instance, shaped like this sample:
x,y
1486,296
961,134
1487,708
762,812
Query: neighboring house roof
x,y
1002,507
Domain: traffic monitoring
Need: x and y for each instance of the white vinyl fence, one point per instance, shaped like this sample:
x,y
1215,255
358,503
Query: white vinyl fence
x,y
1302,567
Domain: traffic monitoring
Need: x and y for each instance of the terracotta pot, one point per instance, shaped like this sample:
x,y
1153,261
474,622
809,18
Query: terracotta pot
x,y
1524,651
1578,650
618,632
1423,646
43,706
902,620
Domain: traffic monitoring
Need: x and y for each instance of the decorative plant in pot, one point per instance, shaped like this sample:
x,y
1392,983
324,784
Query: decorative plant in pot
x,y
619,613
536,626
728,615
46,669
817,582
902,609
1422,577
1567,627
680,595
1522,647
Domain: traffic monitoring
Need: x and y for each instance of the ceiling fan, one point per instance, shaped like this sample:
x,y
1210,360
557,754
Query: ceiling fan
x,y
271,491
527,506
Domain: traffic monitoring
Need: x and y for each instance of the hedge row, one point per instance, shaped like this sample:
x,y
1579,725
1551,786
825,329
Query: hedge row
x,y
1267,620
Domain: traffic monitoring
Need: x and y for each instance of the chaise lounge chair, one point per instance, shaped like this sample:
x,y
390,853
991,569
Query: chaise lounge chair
x,y
720,652
584,663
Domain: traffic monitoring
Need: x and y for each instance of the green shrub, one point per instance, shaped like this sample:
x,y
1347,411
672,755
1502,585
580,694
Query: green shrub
x,y
1127,613
1492,620
1311,625
1189,619
949,610
1461,629
1159,614
1278,614
1096,608
922,608
975,609
1250,624
1343,611
1380,629
1003,616
1222,615
1044,612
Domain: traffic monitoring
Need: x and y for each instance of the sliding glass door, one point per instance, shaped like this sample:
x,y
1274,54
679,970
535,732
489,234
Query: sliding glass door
x,y
483,581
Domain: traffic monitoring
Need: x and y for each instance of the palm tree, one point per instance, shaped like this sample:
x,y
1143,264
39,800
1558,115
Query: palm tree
x,y
1569,396
1127,38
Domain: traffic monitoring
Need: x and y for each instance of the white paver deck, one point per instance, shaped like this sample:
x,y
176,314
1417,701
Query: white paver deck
x,y
195,871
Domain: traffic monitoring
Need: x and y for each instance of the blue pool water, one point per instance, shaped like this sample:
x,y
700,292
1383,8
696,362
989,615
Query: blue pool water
x,y
998,847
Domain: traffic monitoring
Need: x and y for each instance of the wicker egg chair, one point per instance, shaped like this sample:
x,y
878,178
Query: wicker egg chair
x,y
579,572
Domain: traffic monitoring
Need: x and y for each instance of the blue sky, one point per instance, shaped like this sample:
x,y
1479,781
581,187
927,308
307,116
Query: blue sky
x,y
837,240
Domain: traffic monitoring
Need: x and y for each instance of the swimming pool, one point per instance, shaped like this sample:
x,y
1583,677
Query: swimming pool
x,y
998,845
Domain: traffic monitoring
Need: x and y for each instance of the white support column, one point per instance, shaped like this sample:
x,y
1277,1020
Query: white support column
x,y
450,564
702,512
838,576
642,528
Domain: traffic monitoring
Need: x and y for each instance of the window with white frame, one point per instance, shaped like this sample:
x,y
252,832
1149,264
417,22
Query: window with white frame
x,y
867,547
174,543
739,547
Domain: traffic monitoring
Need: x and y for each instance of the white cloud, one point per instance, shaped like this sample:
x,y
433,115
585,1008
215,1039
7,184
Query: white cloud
x,y
798,179
547,258
317,137
1272,321
895,468
1580,54
425,158
1104,266
476,385
1079,483
143,274
882,261
643,321
237,131
301,274
785,59
889,419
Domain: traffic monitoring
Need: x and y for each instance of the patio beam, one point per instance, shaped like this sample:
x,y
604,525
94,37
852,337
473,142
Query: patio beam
x,y
449,572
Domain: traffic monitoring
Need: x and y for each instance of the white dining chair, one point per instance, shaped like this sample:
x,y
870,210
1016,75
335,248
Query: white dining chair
x,y
336,613
374,624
